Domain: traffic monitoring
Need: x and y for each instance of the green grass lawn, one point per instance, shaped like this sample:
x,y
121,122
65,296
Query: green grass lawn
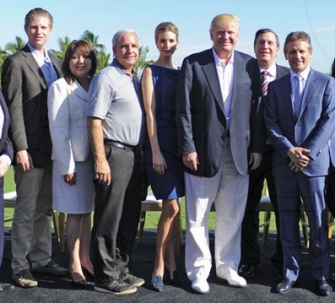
x,y
151,217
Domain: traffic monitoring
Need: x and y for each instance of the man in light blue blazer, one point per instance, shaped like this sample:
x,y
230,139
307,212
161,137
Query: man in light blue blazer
x,y
300,119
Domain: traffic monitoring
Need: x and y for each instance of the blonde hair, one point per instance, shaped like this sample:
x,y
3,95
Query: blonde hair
x,y
166,27
224,19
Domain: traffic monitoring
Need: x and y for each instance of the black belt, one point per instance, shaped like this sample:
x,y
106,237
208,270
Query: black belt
x,y
122,145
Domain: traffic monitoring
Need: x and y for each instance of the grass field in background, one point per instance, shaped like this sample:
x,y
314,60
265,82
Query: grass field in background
x,y
151,217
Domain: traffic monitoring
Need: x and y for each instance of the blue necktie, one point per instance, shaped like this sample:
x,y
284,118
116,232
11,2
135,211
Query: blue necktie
x,y
297,94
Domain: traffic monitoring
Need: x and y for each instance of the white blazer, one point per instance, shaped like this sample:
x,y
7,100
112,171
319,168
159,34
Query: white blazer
x,y
67,122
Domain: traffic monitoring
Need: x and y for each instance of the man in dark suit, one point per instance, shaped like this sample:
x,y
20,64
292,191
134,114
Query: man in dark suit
x,y
300,119
26,77
214,134
6,156
266,47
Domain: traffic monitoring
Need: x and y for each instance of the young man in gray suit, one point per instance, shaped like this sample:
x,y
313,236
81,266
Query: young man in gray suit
x,y
26,76
214,101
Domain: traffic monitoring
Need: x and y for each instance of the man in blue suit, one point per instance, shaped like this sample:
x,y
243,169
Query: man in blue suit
x,y
6,156
218,146
300,119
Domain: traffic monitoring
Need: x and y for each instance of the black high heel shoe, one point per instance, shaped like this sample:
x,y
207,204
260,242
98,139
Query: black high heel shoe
x,y
87,273
157,283
82,283
176,278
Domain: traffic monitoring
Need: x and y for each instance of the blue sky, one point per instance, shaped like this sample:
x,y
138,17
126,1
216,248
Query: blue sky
x,y
193,17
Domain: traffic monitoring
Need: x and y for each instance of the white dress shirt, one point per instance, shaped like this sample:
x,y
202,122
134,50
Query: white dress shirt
x,y
226,78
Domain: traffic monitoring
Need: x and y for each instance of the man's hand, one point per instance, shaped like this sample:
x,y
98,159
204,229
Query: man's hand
x,y
102,172
24,161
70,178
4,165
255,160
191,161
299,158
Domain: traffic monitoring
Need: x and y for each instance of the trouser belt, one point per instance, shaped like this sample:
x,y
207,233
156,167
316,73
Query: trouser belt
x,y
122,145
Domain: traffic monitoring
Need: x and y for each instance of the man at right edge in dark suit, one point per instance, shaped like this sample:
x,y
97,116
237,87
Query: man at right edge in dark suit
x,y
26,76
217,142
300,120
266,48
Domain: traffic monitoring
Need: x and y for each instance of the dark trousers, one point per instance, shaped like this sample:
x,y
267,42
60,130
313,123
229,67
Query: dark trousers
x,y
330,194
311,190
250,225
2,228
117,212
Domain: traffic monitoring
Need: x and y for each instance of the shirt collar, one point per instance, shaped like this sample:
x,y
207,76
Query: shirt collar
x,y
271,70
37,54
303,74
218,61
120,68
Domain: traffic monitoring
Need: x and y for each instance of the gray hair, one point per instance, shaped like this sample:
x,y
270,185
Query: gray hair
x,y
119,34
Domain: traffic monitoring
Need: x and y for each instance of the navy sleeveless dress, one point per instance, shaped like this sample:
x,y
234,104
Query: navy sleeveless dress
x,y
171,184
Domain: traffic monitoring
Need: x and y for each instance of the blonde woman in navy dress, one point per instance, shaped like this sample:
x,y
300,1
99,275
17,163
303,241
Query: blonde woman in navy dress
x,y
165,170
73,189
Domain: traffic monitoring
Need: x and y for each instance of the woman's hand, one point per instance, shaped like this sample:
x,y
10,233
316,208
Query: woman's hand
x,y
158,163
70,178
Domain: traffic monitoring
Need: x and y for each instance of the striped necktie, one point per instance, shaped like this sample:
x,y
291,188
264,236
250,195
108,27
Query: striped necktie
x,y
265,83
297,95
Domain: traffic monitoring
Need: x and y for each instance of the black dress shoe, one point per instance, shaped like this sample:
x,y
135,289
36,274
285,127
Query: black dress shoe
x,y
285,286
6,287
177,280
247,271
323,288
279,276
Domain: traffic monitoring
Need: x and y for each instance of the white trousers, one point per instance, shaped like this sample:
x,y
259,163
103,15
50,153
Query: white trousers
x,y
228,190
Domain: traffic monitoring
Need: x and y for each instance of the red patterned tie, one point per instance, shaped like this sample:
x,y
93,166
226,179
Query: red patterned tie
x,y
265,83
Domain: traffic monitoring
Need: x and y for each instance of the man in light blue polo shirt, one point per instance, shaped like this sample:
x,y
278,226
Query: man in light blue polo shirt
x,y
116,128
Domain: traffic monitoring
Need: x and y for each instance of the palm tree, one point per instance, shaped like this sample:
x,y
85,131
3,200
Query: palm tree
x,y
142,63
63,45
100,49
103,59
93,39
13,47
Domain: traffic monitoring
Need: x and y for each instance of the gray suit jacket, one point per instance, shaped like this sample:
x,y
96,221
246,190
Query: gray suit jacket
x,y
25,92
201,117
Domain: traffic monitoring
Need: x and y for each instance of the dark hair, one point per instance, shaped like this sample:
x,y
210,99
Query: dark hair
x,y
84,47
37,12
264,31
294,36
333,69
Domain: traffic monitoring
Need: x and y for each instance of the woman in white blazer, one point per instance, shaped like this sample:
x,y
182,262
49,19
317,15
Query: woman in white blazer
x,y
73,188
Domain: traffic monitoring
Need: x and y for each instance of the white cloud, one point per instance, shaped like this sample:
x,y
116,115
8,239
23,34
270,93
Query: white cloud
x,y
324,28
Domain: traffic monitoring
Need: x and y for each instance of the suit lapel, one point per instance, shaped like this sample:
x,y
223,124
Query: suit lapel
x,y
239,69
213,80
55,63
309,87
33,66
79,91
